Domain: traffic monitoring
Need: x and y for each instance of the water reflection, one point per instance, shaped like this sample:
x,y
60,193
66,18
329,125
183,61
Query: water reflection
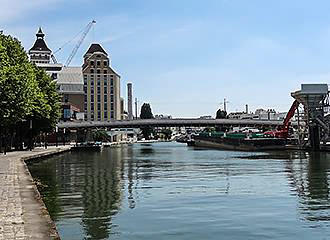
x,y
309,177
170,187
102,194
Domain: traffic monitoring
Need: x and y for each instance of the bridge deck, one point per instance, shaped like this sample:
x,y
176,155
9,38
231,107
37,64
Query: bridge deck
x,y
170,123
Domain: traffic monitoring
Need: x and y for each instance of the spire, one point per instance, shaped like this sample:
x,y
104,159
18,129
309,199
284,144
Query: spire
x,y
40,34
40,44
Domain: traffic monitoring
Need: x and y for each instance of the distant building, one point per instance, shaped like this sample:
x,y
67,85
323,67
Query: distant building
x,y
161,116
41,55
205,117
70,85
260,114
101,86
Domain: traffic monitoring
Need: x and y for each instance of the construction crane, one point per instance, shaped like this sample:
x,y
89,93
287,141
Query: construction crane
x,y
75,49
283,130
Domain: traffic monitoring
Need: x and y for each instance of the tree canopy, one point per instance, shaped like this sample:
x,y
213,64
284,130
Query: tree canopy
x,y
146,112
26,93
221,114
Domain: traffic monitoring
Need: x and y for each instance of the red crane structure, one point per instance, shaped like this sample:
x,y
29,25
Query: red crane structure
x,y
283,131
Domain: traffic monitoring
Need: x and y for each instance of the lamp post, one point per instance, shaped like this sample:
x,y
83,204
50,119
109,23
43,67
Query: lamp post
x,y
1,137
63,136
56,131
31,141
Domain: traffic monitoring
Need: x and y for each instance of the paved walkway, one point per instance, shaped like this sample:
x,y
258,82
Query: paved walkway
x,y
23,214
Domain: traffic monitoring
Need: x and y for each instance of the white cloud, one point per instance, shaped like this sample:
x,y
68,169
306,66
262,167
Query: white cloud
x,y
19,9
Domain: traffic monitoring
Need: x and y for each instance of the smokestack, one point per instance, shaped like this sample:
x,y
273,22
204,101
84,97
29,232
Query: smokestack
x,y
136,108
129,101
247,109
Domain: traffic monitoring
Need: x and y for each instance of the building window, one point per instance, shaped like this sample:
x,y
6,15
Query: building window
x,y
105,82
66,98
92,82
105,106
98,115
92,63
98,71
85,89
98,82
111,98
111,90
92,98
105,114
105,71
105,63
85,107
85,98
98,89
111,82
92,70
112,113
92,106
105,90
98,63
105,98
112,106
98,106
99,98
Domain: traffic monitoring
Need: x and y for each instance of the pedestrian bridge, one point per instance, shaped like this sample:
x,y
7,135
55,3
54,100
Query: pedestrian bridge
x,y
176,122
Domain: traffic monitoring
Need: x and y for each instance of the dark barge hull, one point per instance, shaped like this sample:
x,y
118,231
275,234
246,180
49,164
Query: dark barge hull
x,y
257,144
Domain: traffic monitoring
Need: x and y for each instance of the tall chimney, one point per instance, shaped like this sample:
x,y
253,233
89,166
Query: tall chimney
x,y
247,109
129,101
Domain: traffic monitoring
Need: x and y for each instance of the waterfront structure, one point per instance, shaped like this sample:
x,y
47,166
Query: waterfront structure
x,y
129,101
41,55
101,86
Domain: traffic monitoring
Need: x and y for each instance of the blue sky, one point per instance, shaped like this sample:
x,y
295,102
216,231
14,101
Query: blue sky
x,y
185,56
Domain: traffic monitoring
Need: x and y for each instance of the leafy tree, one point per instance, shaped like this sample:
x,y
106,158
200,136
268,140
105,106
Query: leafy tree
x,y
146,112
167,133
47,108
26,93
18,86
101,136
221,114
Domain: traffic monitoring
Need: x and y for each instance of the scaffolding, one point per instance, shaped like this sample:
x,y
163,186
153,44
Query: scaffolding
x,y
315,100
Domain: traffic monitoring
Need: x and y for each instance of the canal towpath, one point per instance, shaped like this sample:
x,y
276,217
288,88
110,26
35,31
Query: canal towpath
x,y
23,214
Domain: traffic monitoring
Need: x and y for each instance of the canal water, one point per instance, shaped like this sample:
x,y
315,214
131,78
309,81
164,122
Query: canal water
x,y
171,191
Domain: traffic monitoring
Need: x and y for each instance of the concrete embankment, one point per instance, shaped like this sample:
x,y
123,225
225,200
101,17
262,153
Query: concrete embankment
x,y
23,214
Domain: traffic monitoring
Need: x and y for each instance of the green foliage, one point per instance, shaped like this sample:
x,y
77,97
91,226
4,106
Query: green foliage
x,y
221,114
47,109
147,132
146,112
167,133
101,136
26,92
18,85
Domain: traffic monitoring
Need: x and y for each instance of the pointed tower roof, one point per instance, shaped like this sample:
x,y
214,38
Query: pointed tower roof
x,y
40,34
95,47
40,44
